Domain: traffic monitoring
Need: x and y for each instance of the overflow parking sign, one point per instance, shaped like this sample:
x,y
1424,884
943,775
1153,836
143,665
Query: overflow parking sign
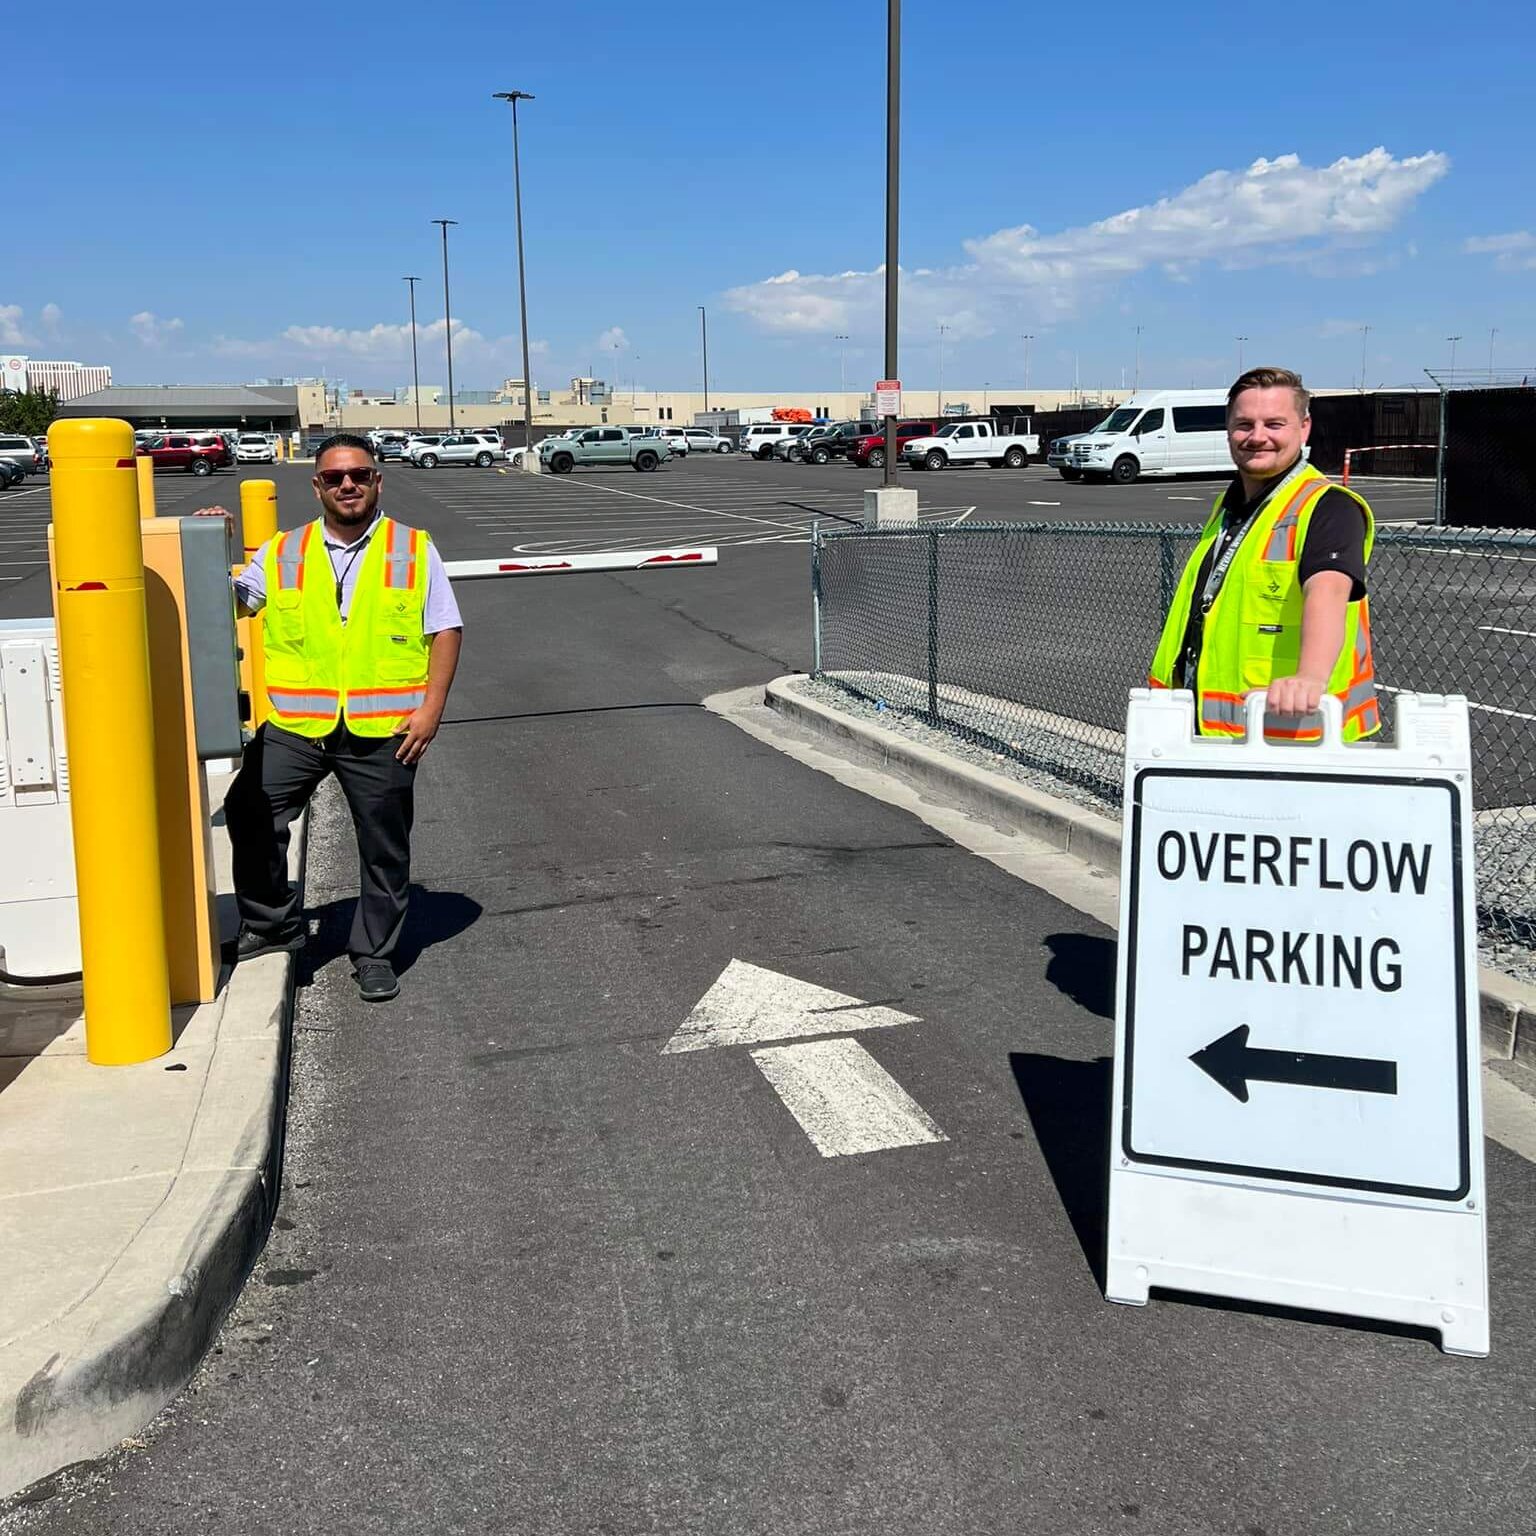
x,y
1297,1025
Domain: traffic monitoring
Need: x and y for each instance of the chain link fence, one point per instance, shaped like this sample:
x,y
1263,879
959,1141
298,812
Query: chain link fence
x,y
1023,638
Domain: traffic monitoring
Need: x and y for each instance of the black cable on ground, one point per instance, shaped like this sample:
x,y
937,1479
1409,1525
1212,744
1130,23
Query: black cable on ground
x,y
63,979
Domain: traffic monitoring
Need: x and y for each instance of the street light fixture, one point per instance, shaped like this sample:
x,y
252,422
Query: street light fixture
x,y
447,317
1240,340
1136,376
704,334
842,364
942,329
415,369
528,461
1453,340
1026,338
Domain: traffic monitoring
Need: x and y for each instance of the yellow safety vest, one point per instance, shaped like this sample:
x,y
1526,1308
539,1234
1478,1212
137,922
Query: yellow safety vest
x,y
373,668
1253,629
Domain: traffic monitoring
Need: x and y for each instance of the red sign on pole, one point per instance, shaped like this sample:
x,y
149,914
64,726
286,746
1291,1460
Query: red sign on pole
x,y
888,397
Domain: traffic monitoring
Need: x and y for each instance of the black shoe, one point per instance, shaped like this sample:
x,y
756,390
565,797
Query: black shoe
x,y
248,944
376,981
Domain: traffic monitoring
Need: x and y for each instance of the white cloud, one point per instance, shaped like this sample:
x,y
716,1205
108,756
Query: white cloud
x,y
613,337
11,332
50,316
1514,252
151,330
1274,211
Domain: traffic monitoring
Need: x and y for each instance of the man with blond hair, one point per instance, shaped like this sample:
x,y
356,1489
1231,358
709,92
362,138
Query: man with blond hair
x,y
1273,598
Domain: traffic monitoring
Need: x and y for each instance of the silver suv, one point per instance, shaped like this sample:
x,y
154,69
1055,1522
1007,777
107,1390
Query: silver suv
x,y
455,448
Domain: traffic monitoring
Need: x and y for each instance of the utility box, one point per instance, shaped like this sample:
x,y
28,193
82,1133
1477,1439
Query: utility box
x,y
39,915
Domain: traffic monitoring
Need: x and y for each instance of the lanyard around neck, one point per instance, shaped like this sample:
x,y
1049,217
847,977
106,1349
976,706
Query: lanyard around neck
x,y
1218,572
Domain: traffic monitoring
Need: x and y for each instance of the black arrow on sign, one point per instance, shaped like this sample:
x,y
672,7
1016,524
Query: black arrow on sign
x,y
1233,1063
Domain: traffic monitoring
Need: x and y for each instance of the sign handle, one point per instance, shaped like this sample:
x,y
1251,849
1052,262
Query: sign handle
x,y
1331,710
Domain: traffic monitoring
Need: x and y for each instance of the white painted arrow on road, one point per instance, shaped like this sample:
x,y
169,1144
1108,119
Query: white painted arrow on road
x,y
845,1101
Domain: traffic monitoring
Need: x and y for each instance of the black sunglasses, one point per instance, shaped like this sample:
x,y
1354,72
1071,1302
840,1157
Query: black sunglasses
x,y
332,479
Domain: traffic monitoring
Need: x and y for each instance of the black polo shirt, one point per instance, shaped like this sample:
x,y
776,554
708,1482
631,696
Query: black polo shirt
x,y
1335,542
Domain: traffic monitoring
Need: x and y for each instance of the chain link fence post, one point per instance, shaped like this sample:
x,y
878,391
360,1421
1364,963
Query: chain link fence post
x,y
1166,572
815,599
933,628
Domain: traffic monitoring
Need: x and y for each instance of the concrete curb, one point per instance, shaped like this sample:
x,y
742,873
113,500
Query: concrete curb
x,y
1508,1006
109,1364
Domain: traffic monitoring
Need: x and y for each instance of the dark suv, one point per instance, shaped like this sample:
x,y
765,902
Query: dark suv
x,y
869,451
829,442
199,453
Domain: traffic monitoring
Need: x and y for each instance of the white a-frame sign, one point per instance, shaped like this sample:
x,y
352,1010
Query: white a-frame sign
x,y
1297,1114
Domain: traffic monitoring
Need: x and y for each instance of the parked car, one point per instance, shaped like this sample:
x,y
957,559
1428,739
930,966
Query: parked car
x,y
675,438
22,450
1159,432
41,444
1059,456
454,449
388,445
180,450
973,442
705,440
222,443
603,445
254,448
11,473
869,452
823,443
759,439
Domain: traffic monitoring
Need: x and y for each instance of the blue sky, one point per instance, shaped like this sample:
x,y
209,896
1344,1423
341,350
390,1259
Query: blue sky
x,y
238,194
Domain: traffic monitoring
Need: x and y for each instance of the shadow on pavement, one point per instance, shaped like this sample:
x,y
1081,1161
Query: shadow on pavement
x,y
1068,1106
434,918
1082,967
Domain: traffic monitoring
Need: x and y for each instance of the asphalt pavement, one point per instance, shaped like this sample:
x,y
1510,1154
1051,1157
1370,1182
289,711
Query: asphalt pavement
x,y
532,1273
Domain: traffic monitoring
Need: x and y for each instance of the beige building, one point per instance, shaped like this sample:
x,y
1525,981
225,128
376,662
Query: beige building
x,y
589,401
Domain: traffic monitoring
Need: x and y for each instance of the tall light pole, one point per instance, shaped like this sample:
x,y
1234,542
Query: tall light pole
x,y
704,337
1453,340
1491,334
892,213
842,364
447,316
528,460
1365,336
1026,338
1240,340
942,329
415,370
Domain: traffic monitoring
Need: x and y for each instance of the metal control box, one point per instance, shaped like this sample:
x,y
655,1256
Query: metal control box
x,y
39,915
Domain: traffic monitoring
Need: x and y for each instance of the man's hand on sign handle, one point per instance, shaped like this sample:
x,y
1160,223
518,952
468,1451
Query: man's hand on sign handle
x,y
223,512
1294,695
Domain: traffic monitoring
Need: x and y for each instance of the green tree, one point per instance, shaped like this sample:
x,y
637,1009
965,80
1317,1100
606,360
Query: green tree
x,y
29,411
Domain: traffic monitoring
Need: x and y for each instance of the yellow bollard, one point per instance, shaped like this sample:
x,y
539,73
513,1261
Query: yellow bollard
x,y
145,468
99,605
258,525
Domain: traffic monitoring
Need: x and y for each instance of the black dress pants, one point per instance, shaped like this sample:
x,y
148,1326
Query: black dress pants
x,y
279,773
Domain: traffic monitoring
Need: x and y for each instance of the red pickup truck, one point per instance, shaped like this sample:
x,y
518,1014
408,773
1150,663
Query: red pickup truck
x,y
870,451
199,453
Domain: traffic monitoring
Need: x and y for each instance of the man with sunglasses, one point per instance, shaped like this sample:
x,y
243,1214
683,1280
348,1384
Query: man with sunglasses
x,y
362,638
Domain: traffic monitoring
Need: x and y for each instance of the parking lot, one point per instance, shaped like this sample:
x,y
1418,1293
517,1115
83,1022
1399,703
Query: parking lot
x,y
720,499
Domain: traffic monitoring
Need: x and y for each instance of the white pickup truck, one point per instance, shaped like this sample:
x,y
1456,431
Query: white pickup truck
x,y
973,442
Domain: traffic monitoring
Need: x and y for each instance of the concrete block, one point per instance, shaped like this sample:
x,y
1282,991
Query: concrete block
x,y
888,505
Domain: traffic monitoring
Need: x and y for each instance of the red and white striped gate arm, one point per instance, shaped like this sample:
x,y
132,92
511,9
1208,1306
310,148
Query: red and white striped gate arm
x,y
603,560
1349,453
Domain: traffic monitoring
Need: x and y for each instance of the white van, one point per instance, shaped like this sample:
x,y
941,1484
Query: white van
x,y
1157,432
